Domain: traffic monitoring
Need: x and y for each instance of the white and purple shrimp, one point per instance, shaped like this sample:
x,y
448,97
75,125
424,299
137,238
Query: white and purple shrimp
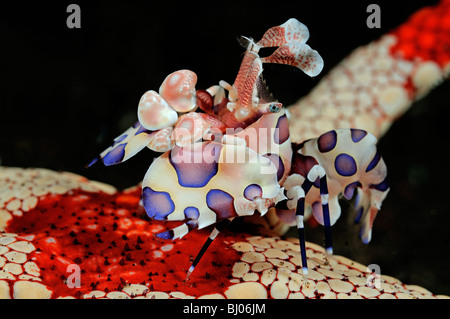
x,y
334,165
227,151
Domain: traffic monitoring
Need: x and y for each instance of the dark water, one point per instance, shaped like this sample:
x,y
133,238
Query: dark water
x,y
66,93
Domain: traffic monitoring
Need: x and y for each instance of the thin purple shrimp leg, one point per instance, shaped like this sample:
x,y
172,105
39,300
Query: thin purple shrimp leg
x,y
299,193
317,171
217,229
299,215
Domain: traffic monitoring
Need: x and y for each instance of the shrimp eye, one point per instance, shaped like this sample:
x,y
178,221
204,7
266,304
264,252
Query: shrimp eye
x,y
274,107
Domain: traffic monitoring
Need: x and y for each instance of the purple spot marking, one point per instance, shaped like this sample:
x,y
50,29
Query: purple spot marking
x,y
282,130
359,214
142,129
357,135
327,141
191,212
196,168
364,240
158,205
350,190
252,191
276,160
345,165
95,160
166,235
382,187
221,203
115,155
374,162
120,139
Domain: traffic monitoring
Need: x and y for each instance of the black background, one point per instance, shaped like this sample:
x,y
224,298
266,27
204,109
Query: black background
x,y
66,93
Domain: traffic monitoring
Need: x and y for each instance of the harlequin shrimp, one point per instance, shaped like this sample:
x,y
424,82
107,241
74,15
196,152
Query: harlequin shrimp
x,y
335,164
227,151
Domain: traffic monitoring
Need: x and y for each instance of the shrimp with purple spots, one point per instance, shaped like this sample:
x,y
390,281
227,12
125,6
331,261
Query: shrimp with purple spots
x,y
333,165
227,151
